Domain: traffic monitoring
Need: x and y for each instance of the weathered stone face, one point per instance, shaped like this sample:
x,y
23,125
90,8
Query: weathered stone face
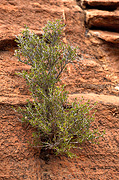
x,y
102,17
95,76
103,20
108,4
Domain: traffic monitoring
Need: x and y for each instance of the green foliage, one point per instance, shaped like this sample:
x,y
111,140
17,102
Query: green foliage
x,y
58,126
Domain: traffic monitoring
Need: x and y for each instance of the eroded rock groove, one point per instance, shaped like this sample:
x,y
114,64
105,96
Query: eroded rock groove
x,y
102,18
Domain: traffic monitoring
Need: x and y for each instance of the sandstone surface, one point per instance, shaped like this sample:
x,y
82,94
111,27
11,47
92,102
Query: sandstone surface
x,y
95,76
111,37
103,20
102,17
107,4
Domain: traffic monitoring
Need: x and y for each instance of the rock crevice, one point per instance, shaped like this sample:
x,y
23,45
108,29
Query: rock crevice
x,y
103,17
109,5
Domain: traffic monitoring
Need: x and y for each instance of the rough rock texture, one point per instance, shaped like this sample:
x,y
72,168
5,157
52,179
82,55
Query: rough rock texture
x,y
103,20
95,76
102,17
107,4
105,35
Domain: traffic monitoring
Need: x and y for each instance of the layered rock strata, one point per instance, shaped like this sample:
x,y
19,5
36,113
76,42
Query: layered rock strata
x,y
102,18
100,4
111,37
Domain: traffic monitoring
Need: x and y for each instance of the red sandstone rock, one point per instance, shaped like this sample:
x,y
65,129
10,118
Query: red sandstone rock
x,y
103,20
93,75
105,3
8,38
103,99
105,35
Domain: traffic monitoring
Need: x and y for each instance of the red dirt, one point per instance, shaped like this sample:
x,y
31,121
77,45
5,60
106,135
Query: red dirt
x,y
94,77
